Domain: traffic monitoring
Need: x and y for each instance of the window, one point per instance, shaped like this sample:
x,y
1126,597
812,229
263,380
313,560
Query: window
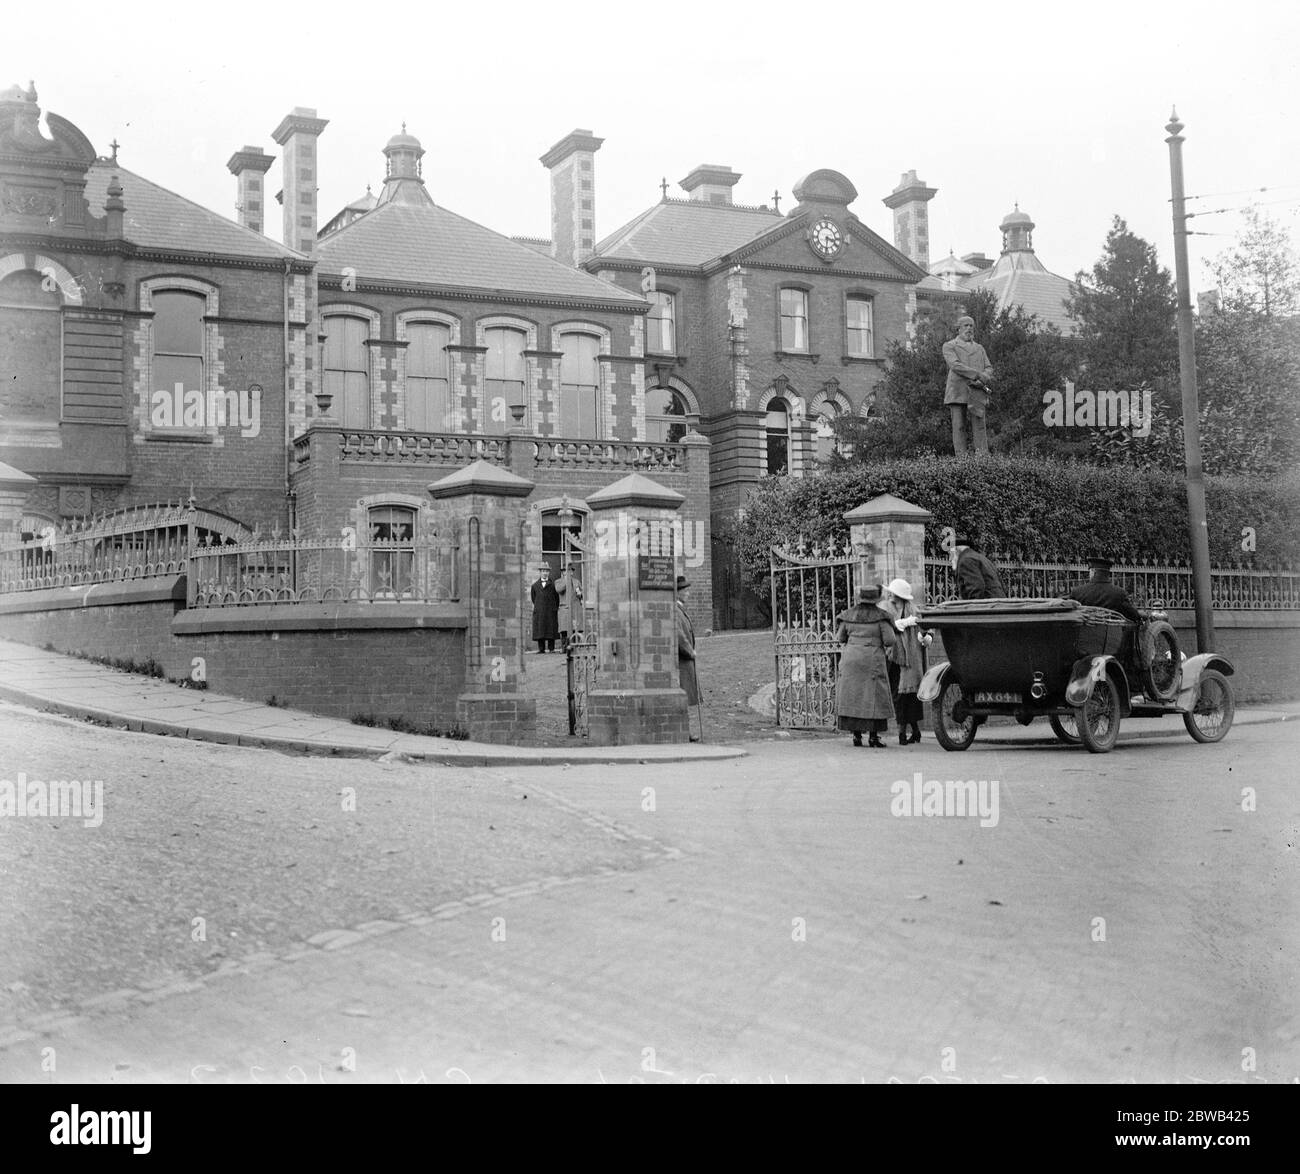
x,y
392,549
661,324
178,345
31,339
861,336
579,385
824,438
778,437
347,369
667,416
504,377
794,320
428,381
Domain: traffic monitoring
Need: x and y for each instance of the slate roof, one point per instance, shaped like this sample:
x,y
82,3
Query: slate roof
x,y
156,218
687,232
428,245
1020,278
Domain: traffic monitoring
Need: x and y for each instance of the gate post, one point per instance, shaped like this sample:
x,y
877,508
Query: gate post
x,y
888,535
638,698
492,705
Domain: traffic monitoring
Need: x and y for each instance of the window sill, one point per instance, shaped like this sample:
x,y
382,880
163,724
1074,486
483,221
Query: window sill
x,y
180,436
665,357
783,355
848,359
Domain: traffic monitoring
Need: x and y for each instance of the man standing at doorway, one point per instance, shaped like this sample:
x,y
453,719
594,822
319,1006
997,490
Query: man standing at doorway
x,y
546,610
966,393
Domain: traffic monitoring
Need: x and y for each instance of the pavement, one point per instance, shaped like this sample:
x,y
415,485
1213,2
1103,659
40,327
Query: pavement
x,y
82,689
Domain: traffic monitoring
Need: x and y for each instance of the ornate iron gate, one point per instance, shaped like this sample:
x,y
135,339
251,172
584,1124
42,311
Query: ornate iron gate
x,y
581,665
810,588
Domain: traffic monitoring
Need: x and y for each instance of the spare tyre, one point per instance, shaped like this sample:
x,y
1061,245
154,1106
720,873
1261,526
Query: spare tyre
x,y
1162,660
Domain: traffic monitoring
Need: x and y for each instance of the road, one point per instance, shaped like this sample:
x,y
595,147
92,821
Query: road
x,y
246,916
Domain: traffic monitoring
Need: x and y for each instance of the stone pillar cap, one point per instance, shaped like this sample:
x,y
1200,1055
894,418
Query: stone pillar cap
x,y
11,478
481,477
888,508
635,490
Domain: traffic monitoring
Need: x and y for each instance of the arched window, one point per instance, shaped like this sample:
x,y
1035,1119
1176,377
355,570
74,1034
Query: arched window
x,y
667,416
778,437
428,381
824,437
578,412
503,377
347,369
32,345
392,549
661,324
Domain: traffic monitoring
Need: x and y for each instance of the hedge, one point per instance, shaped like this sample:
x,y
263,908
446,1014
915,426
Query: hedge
x,y
1033,509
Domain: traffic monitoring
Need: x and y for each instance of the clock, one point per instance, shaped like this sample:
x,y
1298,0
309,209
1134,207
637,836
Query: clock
x,y
826,239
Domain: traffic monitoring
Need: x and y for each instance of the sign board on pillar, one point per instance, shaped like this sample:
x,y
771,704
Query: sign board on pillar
x,y
656,572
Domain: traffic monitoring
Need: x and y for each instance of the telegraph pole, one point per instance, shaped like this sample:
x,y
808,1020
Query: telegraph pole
x,y
1200,533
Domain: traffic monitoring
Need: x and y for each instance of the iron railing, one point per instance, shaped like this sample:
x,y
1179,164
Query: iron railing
x,y
422,568
1165,585
140,542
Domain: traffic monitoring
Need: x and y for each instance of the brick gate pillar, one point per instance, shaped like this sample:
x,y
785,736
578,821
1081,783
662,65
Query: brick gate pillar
x,y
888,534
637,698
493,706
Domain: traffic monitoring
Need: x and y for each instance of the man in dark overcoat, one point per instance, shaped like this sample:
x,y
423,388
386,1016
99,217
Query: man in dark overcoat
x,y
546,610
966,393
686,647
977,578
1101,591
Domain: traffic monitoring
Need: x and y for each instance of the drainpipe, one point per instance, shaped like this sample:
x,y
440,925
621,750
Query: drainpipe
x,y
288,424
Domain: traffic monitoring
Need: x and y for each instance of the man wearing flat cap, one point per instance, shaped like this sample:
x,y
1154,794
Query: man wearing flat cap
x,y
966,393
1101,591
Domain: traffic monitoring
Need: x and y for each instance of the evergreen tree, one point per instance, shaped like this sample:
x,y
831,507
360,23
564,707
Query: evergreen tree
x,y
1259,274
1126,310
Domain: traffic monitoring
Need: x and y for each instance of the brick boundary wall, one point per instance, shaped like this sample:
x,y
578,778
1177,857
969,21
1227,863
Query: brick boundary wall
x,y
389,660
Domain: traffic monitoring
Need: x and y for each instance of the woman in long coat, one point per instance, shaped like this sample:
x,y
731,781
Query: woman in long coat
x,y
546,611
905,661
862,688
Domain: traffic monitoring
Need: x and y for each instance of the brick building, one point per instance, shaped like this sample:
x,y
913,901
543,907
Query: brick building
x,y
157,350
763,328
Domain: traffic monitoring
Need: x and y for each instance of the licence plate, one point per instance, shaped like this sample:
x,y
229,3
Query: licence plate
x,y
998,698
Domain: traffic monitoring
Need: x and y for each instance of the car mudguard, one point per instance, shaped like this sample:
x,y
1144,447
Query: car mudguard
x,y
932,682
1189,682
1088,670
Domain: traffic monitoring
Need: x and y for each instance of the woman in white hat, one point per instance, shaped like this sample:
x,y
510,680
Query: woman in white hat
x,y
905,661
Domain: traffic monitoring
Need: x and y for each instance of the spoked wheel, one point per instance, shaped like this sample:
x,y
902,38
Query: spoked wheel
x,y
1161,675
1065,728
1211,718
954,725
1098,717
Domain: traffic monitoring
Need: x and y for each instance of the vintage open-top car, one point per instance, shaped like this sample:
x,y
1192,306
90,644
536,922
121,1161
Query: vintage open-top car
x,y
1082,667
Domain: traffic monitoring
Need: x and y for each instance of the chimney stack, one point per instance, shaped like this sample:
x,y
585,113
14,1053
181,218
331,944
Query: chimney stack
x,y
297,134
248,165
711,183
571,163
912,218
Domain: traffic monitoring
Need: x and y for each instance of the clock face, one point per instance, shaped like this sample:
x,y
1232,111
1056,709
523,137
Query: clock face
x,y
826,238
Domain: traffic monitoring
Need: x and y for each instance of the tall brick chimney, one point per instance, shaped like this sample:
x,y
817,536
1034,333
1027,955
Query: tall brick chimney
x,y
912,218
248,165
297,134
571,163
711,183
